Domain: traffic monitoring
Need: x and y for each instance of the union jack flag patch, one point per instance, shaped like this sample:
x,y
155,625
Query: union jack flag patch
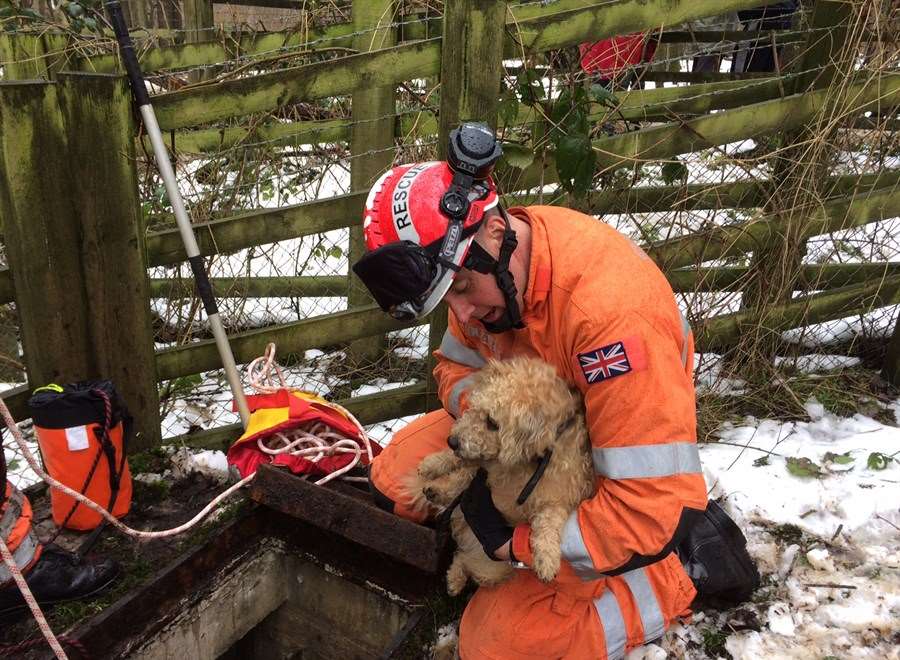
x,y
604,363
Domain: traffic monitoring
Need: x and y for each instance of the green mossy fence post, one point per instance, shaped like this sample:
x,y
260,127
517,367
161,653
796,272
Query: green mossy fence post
x,y
74,239
106,203
471,75
801,164
41,235
371,143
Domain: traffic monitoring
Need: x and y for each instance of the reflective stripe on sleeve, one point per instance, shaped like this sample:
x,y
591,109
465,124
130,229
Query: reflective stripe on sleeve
x,y
23,555
453,349
11,512
575,551
610,613
685,333
642,461
456,393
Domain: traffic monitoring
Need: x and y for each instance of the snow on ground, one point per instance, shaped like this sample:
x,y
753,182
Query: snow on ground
x,y
828,546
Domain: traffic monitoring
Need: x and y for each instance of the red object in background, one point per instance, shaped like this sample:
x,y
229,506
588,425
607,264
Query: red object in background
x,y
610,57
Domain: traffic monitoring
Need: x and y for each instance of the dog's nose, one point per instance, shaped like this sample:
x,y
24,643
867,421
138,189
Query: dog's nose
x,y
453,441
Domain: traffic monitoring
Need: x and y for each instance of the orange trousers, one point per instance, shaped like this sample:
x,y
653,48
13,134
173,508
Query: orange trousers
x,y
526,619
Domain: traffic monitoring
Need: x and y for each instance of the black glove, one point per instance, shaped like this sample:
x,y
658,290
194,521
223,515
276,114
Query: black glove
x,y
488,524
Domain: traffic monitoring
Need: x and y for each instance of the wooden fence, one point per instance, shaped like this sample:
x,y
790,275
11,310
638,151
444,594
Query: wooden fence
x,y
78,251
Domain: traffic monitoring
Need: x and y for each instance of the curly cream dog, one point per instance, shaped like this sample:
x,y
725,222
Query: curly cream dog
x,y
518,410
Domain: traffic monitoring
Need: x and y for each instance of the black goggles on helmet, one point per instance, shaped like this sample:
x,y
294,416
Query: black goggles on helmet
x,y
408,280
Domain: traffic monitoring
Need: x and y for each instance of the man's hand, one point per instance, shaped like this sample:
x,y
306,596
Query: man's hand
x,y
488,524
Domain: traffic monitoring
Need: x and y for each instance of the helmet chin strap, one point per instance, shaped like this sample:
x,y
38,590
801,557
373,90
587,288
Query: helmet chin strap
x,y
481,261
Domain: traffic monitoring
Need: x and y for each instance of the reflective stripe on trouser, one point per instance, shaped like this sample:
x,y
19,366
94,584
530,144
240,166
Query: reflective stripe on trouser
x,y
612,619
24,555
394,467
12,511
525,619
18,534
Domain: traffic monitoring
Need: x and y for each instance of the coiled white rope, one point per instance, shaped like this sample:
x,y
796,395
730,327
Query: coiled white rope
x,y
313,440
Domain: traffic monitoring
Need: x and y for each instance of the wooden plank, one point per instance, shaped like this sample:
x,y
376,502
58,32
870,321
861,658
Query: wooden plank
x,y
569,23
100,126
731,240
811,277
270,91
719,332
660,142
209,52
332,508
253,287
290,338
258,227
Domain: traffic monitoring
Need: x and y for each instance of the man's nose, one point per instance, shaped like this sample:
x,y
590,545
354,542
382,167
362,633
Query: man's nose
x,y
453,442
461,309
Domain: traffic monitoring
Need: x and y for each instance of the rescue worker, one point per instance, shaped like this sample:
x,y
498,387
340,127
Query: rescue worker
x,y
553,283
53,574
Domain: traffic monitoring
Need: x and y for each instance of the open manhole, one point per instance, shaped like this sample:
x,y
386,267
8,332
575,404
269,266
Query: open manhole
x,y
309,572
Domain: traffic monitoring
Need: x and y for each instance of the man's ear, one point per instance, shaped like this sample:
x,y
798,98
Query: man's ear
x,y
490,236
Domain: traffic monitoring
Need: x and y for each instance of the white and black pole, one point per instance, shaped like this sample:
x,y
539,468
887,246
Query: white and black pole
x,y
204,288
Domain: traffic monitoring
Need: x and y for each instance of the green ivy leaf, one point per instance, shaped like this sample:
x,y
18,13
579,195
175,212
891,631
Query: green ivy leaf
x,y
74,10
673,171
14,465
878,461
840,459
575,161
508,108
517,155
604,96
803,467
336,252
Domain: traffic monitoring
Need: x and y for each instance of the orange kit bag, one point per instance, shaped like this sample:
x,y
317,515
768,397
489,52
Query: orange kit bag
x,y
82,430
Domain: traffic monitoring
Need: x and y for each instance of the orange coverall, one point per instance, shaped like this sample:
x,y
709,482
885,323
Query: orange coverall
x,y
598,309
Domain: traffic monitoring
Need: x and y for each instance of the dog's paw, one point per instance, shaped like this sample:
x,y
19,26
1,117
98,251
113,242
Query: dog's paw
x,y
546,566
433,467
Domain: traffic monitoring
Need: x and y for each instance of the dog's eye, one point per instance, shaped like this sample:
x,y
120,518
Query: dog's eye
x,y
491,424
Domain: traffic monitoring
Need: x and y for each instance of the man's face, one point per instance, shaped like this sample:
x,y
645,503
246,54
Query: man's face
x,y
475,296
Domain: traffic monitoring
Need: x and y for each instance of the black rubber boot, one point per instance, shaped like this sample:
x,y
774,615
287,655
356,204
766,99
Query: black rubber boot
x,y
59,576
714,554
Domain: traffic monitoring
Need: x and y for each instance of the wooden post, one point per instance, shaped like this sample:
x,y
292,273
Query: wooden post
x,y
101,130
197,20
801,171
41,234
371,146
471,75
74,238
